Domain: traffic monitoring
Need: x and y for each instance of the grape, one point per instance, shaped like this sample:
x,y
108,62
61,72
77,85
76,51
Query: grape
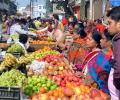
x,y
12,78
15,48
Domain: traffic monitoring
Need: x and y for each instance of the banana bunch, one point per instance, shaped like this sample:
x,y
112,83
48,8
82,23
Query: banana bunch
x,y
23,60
9,62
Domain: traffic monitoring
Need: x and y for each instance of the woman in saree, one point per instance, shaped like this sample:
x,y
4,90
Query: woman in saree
x,y
93,45
77,50
99,69
97,64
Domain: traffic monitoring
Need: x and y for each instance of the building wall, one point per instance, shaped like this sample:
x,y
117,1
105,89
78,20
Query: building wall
x,y
98,9
39,11
7,7
12,8
4,5
39,8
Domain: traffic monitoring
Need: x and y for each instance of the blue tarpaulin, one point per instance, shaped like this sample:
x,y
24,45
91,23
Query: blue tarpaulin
x,y
115,2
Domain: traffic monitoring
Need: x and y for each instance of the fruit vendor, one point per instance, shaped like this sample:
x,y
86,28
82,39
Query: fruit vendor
x,y
21,45
15,30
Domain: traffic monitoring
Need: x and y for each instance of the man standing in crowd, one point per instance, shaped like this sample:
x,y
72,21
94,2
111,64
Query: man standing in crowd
x,y
114,77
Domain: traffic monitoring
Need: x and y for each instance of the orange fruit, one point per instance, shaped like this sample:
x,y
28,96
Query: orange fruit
x,y
50,93
42,90
56,94
82,88
87,89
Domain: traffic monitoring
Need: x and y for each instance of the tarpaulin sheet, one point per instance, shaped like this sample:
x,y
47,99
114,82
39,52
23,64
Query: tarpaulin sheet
x,y
115,2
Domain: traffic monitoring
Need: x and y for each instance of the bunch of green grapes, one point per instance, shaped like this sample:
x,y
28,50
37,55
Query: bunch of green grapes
x,y
15,48
13,78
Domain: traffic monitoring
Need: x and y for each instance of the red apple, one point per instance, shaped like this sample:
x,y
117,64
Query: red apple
x,y
63,83
95,92
68,92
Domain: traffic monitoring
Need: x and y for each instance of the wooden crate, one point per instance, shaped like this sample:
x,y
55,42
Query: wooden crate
x,y
4,45
40,46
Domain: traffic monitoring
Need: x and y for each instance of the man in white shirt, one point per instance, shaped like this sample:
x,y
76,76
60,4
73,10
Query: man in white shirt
x,y
15,30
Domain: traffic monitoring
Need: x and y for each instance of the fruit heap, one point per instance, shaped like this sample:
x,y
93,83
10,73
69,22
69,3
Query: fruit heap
x,y
39,84
65,78
41,53
12,78
41,42
9,62
51,58
55,64
52,65
67,93
15,48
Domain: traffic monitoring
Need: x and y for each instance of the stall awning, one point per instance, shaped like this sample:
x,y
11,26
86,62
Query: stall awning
x,y
115,2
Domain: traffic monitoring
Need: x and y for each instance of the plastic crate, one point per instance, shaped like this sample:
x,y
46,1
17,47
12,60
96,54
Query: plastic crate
x,y
10,93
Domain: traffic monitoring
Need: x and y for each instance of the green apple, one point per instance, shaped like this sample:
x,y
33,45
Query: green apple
x,y
46,88
48,84
53,87
43,85
44,78
39,85
35,88
30,85
43,81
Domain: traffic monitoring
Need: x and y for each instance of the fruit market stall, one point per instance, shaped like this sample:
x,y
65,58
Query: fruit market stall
x,y
39,44
49,77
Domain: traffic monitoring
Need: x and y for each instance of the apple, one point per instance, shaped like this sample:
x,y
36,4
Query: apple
x,y
43,97
98,98
48,84
75,79
70,78
77,91
105,96
63,83
75,97
53,87
61,68
35,97
95,92
50,67
65,98
68,91
52,98
77,84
